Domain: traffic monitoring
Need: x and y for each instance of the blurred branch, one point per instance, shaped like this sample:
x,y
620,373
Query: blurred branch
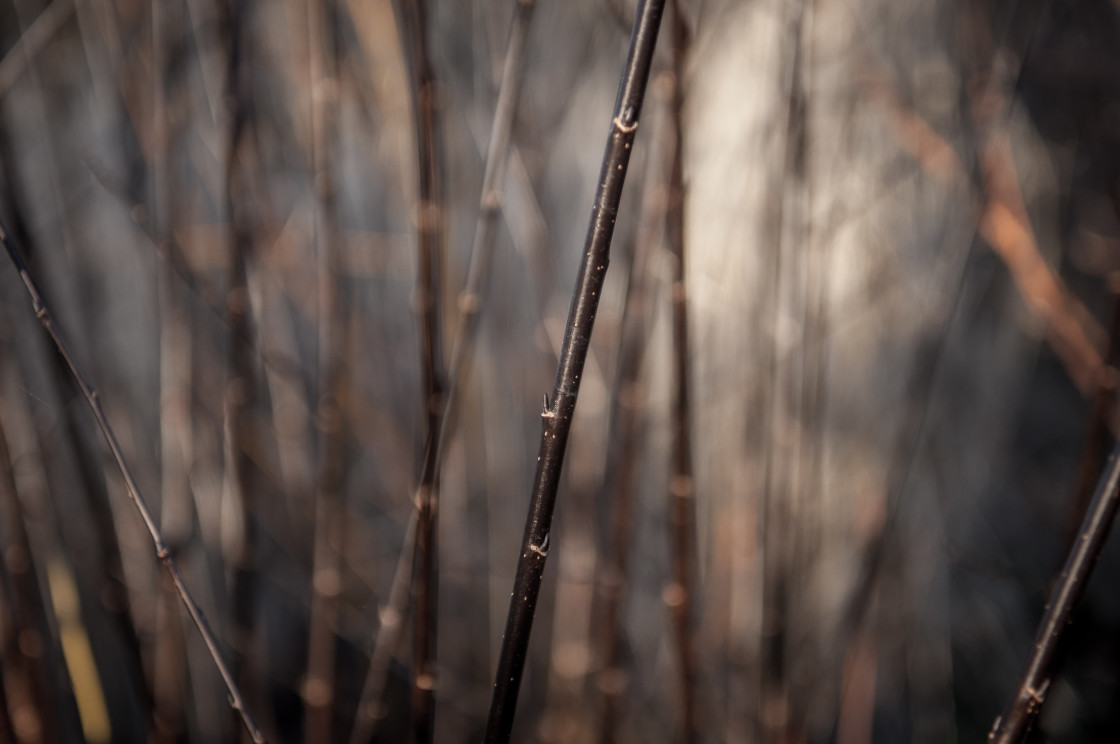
x,y
430,220
46,319
37,35
326,574
1005,225
629,401
240,384
678,595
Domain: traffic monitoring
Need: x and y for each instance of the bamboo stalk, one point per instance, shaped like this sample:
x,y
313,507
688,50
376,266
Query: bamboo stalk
x,y
557,414
237,702
430,218
678,595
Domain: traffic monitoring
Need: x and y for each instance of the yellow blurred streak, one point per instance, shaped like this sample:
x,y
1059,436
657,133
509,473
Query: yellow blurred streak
x,y
78,654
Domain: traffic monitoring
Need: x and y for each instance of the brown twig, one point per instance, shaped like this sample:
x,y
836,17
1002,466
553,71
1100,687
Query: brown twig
x,y
237,702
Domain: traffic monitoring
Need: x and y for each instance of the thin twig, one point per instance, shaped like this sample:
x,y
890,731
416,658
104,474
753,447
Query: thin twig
x,y
237,702
1025,705
557,414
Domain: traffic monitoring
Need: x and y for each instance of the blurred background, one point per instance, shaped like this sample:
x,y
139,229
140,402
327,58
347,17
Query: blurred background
x,y
901,244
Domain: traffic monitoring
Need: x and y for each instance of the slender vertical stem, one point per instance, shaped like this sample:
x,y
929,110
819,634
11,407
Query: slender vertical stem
x,y
175,396
781,513
430,221
1030,693
557,414
237,702
239,391
681,484
326,572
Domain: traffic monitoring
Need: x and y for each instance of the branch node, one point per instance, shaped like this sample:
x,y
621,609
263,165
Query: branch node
x,y
623,127
542,549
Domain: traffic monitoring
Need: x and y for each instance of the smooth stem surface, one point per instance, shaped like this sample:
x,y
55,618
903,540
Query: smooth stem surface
x,y
557,414
237,702
1030,693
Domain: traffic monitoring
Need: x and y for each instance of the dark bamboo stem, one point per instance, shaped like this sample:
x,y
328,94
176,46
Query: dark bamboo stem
x,y
430,221
1030,693
681,484
557,414
237,702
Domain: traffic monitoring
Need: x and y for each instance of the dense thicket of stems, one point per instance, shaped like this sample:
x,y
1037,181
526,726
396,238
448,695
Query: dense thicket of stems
x,y
678,595
237,701
470,306
430,218
557,414
1030,693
